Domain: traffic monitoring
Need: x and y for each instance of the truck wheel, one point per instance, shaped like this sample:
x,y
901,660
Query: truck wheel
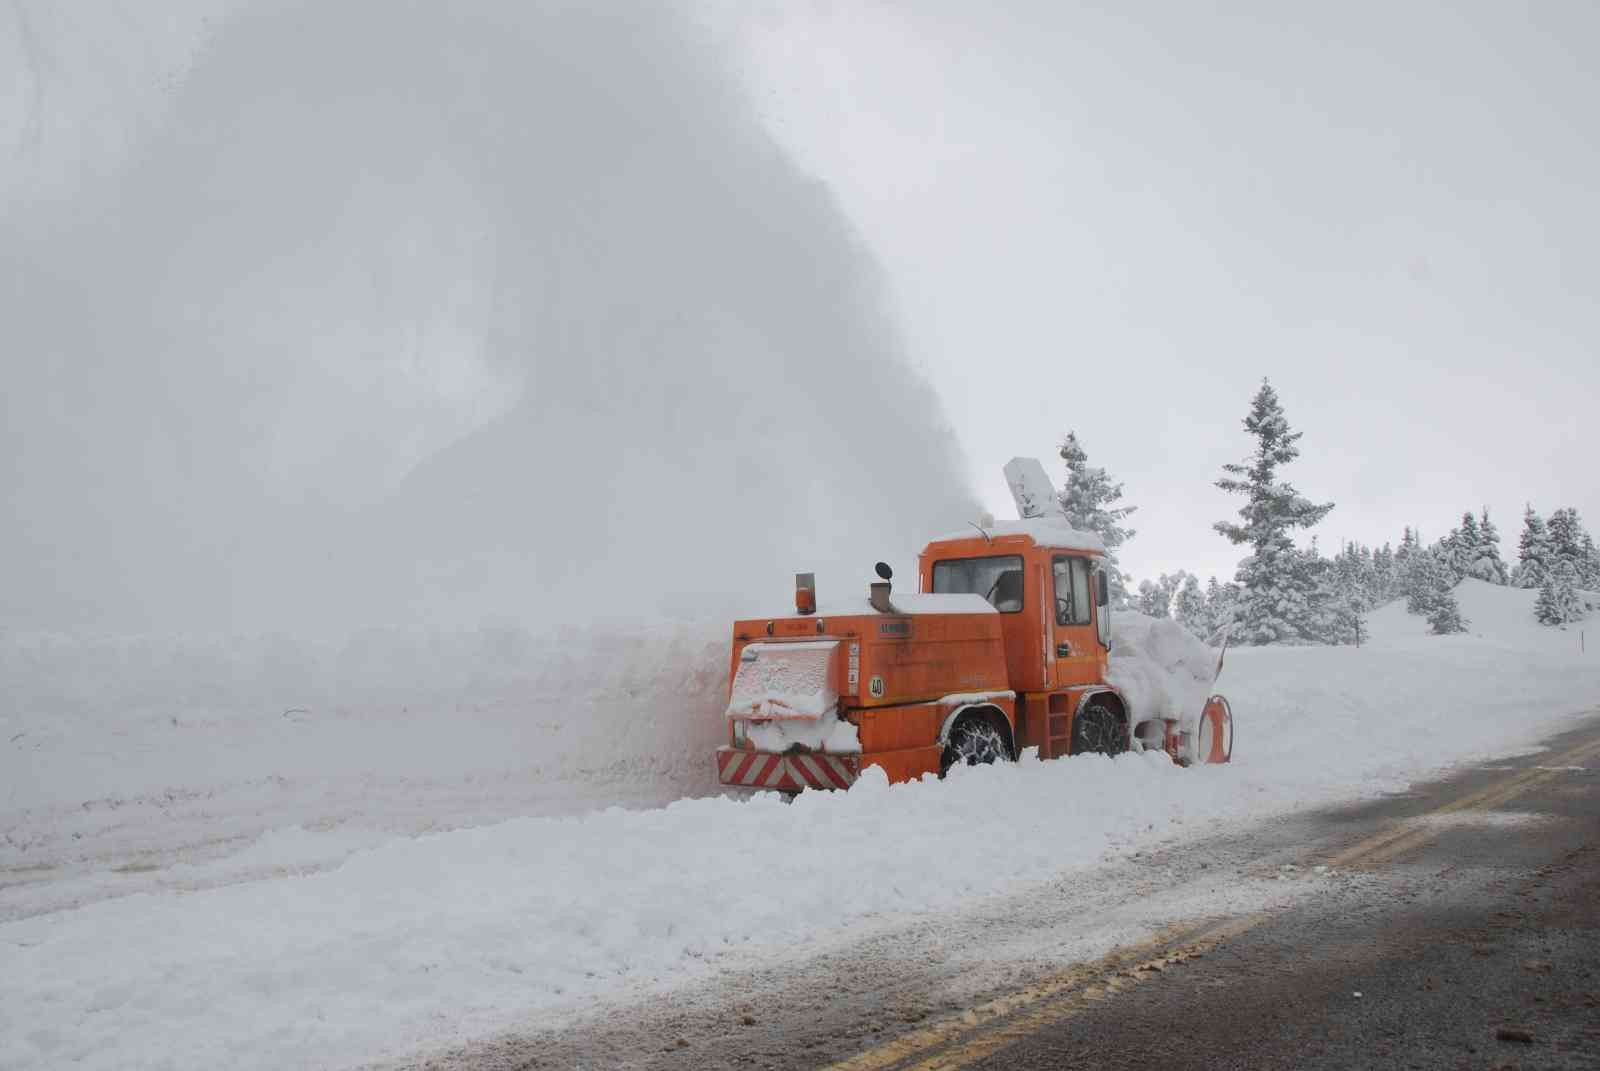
x,y
1099,730
973,742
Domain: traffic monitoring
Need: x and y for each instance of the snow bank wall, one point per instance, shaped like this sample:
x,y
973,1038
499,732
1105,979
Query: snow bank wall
x,y
594,712
559,721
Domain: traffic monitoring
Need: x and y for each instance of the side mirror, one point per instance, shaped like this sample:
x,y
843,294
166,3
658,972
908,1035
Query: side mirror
x,y
883,571
1102,589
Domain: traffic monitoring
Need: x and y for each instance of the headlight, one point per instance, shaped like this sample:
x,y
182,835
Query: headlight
x,y
741,732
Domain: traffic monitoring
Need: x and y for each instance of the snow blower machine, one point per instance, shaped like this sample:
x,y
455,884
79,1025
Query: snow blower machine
x,y
1005,646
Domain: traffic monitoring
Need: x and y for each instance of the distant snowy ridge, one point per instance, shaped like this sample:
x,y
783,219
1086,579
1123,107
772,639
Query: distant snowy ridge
x,y
1501,615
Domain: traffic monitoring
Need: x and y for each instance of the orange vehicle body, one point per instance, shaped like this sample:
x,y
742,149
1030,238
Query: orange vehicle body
x,y
908,671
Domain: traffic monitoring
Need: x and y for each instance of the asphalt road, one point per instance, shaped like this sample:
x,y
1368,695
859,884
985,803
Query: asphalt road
x,y
1457,926
1481,950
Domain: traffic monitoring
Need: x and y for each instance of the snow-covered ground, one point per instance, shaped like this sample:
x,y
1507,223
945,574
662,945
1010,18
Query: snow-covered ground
x,y
313,932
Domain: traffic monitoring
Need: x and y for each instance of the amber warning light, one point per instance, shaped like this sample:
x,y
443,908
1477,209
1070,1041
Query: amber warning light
x,y
805,593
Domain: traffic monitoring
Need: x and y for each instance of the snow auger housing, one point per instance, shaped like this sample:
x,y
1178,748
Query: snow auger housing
x,y
1004,646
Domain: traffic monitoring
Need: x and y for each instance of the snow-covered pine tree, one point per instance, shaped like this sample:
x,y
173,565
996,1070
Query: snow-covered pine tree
x,y
1383,576
1151,600
1558,602
1571,543
1462,546
1488,565
1426,576
1564,529
1445,553
1432,592
1339,600
1278,589
1172,583
1091,502
1189,607
1446,616
1222,605
1410,543
1405,559
1589,576
1533,551
1218,612
1156,596
1356,576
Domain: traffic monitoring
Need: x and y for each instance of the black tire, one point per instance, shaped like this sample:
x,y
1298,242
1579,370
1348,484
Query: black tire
x,y
1099,730
974,741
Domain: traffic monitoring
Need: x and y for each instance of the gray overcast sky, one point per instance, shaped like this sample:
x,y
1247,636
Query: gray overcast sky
x,y
1119,219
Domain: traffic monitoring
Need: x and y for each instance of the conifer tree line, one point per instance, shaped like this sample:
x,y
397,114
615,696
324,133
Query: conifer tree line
x,y
1284,594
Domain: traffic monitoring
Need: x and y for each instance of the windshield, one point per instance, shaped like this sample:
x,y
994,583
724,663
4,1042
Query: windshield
x,y
997,579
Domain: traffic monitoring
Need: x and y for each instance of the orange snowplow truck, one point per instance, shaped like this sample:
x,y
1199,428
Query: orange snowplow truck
x,y
1004,646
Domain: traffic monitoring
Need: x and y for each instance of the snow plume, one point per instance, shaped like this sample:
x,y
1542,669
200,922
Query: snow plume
x,y
368,313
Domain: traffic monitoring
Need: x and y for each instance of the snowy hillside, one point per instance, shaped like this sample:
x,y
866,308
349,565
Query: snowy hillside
x,y
315,934
1502,616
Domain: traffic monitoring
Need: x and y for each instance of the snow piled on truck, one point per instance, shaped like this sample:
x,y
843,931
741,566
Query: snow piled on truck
x,y
826,733
790,694
785,680
1160,667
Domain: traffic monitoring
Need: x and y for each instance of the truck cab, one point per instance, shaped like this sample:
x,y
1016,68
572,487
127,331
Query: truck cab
x,y
1046,583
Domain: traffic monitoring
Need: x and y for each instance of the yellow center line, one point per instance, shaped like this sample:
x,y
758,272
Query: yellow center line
x,y
1043,1014
1079,978
958,1040
1405,835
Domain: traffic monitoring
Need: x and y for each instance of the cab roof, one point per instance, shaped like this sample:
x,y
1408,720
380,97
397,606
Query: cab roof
x,y
1050,532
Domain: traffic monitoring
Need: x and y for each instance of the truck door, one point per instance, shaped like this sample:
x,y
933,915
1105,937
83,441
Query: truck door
x,y
1077,652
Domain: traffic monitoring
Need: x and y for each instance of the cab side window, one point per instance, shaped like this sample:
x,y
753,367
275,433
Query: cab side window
x,y
1072,590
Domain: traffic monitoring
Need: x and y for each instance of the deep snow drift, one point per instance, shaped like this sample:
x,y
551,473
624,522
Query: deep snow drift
x,y
417,942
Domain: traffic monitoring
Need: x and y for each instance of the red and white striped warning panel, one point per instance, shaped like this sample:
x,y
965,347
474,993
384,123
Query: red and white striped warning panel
x,y
786,773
